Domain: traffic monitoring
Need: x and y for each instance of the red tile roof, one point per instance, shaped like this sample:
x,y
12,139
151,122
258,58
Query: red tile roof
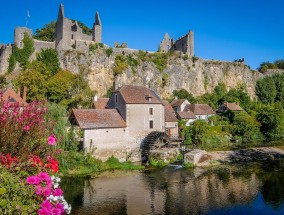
x,y
138,95
169,112
200,109
177,102
91,118
186,115
9,95
101,103
233,106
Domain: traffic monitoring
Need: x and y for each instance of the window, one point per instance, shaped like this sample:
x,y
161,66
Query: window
x,y
21,44
72,36
151,111
151,124
115,98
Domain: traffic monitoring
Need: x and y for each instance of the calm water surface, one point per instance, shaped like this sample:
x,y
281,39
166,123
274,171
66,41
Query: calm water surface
x,y
242,189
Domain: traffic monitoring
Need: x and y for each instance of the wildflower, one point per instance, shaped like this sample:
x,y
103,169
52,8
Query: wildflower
x,y
26,128
51,140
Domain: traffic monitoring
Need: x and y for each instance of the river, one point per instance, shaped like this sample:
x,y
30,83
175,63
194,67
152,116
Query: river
x,y
256,188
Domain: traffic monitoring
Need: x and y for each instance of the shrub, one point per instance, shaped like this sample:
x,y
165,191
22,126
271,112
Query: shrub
x,y
160,60
188,165
120,65
108,52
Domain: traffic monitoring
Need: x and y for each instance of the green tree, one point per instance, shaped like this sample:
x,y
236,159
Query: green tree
x,y
246,127
199,130
271,117
50,58
59,87
184,94
266,90
279,84
47,33
36,83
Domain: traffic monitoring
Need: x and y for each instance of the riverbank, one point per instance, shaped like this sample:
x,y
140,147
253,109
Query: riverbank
x,y
242,155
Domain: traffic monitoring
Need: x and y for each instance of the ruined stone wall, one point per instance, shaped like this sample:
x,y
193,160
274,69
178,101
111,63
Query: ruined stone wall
x,y
166,43
185,44
5,52
41,45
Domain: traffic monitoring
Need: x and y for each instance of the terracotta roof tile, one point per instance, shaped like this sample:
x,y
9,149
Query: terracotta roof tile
x,y
138,95
233,106
91,118
177,102
169,112
9,95
101,103
199,109
186,115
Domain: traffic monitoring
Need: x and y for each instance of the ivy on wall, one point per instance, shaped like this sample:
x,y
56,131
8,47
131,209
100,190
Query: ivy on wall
x,y
21,55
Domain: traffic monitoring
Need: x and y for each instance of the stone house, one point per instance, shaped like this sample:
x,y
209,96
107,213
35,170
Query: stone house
x,y
229,106
131,113
179,104
201,111
186,116
171,121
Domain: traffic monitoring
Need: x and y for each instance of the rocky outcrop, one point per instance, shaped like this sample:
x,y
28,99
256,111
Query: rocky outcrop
x,y
197,76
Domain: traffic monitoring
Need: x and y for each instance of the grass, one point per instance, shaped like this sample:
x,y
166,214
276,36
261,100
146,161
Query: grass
x,y
79,165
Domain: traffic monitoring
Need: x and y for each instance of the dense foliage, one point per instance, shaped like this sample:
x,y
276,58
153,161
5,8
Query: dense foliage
x,y
278,64
270,89
46,81
47,33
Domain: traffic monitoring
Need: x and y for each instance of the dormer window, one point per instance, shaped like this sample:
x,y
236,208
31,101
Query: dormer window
x,y
148,98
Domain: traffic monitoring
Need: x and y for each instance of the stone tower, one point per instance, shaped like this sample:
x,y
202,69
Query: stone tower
x,y
191,43
97,29
59,25
19,34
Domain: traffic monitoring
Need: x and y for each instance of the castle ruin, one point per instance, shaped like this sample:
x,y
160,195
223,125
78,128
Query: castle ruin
x,y
68,35
184,44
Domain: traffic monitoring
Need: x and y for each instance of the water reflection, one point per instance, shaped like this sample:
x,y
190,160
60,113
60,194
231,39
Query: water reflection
x,y
230,190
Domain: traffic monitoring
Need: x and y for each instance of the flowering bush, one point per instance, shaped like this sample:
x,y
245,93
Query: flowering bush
x,y
28,153
23,130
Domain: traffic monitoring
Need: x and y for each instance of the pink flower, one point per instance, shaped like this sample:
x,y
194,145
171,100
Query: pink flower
x,y
44,211
60,207
46,191
46,204
33,180
57,192
44,176
39,190
26,127
51,140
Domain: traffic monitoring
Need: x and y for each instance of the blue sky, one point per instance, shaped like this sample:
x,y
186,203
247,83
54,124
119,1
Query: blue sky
x,y
224,29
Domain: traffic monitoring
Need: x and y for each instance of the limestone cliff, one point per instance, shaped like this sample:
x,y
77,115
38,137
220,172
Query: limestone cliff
x,y
196,75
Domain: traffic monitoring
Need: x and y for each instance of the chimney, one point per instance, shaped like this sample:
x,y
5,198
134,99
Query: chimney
x,y
25,94
19,91
176,98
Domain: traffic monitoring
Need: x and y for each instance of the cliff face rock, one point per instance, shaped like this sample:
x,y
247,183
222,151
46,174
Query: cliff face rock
x,y
196,75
